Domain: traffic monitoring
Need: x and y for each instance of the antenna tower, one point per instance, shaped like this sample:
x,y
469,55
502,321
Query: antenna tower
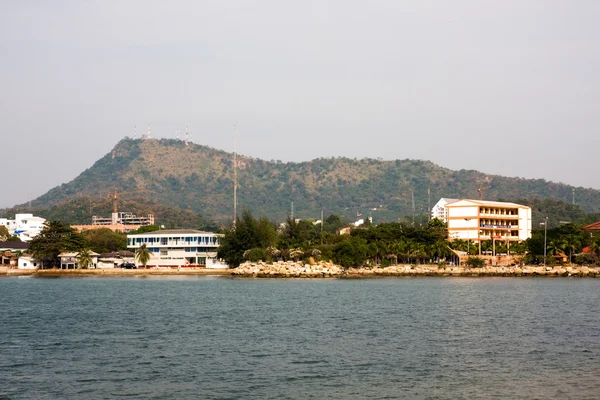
x,y
234,174
429,203
186,135
412,193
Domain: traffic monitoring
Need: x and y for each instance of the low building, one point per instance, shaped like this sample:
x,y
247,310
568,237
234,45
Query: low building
x,y
70,260
10,253
178,248
439,209
115,259
28,262
479,220
24,226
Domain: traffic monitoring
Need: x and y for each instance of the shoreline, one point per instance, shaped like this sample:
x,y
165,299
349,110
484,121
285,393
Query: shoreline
x,y
114,272
327,270
296,270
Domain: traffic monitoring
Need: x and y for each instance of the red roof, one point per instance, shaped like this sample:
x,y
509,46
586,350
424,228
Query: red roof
x,y
592,227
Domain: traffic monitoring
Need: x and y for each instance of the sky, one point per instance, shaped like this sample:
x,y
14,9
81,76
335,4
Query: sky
x,y
508,87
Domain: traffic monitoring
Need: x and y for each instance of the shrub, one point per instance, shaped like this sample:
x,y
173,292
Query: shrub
x,y
385,263
254,254
475,262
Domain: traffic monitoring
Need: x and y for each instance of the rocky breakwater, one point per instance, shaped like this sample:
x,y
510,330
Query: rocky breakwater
x,y
326,270
288,269
435,270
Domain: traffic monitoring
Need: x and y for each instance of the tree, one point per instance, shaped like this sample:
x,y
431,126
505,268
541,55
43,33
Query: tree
x,y
247,234
55,238
84,259
4,233
147,228
351,252
104,240
142,254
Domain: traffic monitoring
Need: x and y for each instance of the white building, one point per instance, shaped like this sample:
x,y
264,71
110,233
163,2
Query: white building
x,y
178,248
439,209
25,226
70,260
479,220
28,262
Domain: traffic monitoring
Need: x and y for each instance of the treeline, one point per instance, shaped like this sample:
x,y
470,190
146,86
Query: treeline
x,y
390,243
261,239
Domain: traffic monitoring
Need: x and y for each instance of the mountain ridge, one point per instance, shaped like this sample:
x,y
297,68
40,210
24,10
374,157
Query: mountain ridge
x,y
200,178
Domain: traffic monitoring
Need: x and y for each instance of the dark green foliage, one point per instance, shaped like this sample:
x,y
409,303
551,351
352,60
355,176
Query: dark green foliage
x,y
104,240
475,262
247,234
352,252
147,228
256,254
55,238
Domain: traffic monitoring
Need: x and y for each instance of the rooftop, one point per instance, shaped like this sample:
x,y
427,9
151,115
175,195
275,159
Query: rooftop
x,y
174,232
491,203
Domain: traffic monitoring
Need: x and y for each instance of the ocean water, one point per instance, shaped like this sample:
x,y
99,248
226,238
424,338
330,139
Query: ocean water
x,y
224,338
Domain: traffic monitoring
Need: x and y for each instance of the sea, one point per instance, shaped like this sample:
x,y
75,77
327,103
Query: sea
x,y
225,338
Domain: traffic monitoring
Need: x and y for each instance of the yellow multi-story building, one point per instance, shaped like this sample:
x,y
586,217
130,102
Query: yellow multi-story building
x,y
479,220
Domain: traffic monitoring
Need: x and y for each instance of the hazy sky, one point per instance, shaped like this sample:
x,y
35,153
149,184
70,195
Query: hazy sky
x,y
505,87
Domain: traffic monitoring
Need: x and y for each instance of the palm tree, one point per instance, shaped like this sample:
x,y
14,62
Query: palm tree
x,y
84,259
142,254
572,242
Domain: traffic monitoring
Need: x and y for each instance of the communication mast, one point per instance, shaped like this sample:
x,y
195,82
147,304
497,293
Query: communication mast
x,y
234,174
186,135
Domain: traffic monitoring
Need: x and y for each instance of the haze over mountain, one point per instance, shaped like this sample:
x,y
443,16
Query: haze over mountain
x,y
200,178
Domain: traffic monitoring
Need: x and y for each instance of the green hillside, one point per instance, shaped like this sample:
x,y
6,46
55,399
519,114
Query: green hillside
x,y
200,179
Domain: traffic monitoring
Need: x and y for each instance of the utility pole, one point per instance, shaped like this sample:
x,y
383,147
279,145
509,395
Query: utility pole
x,y
429,204
322,222
413,206
234,174
545,230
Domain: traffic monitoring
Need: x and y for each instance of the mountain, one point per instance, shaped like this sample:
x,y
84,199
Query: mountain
x,y
199,178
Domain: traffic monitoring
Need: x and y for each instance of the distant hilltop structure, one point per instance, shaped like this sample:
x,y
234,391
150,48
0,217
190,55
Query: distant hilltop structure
x,y
118,221
24,226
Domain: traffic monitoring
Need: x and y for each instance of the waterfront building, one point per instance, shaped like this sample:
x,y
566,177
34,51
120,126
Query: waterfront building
x,y
24,226
70,260
178,248
479,220
439,209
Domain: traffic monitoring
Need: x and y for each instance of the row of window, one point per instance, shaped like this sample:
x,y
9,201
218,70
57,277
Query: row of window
x,y
174,241
186,249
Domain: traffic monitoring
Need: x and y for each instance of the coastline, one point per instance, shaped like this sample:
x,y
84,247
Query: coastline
x,y
113,272
325,270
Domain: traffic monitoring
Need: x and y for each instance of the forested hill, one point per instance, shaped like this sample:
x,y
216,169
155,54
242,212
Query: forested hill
x,y
200,178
